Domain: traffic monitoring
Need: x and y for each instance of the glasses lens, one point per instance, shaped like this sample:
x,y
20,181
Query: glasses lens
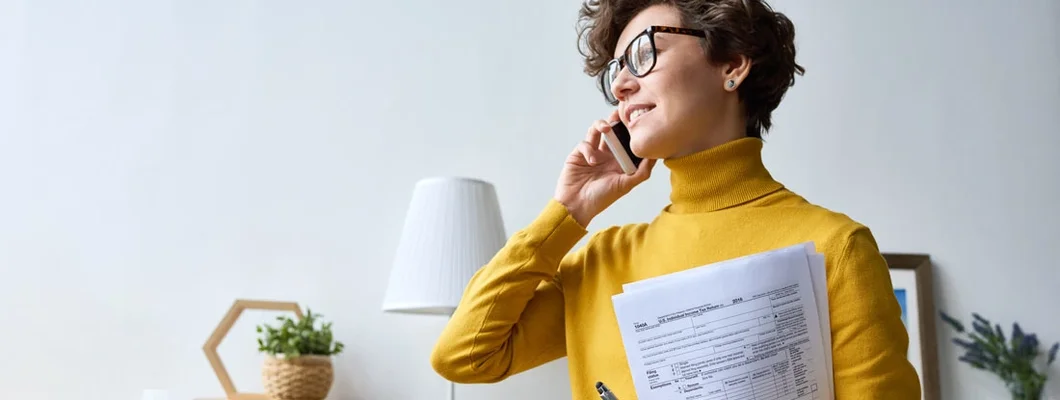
x,y
607,78
641,55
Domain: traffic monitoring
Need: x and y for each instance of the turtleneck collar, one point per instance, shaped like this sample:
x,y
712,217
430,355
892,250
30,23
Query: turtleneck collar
x,y
723,176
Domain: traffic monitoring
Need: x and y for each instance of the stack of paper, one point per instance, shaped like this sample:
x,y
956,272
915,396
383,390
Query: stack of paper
x,y
751,328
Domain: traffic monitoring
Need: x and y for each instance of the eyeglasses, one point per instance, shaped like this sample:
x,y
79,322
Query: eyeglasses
x,y
639,57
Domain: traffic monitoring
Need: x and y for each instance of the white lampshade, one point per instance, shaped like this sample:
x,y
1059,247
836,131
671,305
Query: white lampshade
x,y
453,227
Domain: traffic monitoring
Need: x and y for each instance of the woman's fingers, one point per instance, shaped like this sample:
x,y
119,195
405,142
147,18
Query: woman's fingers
x,y
593,136
588,153
643,172
602,127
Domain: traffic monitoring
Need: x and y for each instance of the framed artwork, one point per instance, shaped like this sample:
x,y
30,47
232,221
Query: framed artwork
x,y
911,277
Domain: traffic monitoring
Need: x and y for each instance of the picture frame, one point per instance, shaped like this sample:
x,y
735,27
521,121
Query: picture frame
x,y
221,331
911,276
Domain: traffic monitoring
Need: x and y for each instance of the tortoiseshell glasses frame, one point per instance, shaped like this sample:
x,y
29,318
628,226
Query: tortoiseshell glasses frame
x,y
639,56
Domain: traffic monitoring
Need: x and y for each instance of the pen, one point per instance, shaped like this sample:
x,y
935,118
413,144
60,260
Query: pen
x,y
604,392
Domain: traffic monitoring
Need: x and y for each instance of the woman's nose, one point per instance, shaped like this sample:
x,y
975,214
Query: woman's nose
x,y
624,85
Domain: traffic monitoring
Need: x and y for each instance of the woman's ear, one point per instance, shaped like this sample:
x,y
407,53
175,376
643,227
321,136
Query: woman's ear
x,y
736,71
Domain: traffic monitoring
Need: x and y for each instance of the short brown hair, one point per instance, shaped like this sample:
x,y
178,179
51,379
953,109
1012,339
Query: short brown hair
x,y
733,27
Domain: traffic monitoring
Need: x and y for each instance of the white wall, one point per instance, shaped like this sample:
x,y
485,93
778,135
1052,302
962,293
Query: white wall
x,y
160,159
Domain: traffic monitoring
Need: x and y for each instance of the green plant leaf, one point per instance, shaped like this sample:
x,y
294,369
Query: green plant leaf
x,y
294,337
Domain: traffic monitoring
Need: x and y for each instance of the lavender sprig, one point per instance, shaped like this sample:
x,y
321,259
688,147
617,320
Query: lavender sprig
x,y
1012,359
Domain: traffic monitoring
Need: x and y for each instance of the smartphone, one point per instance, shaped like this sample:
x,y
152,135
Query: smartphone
x,y
618,141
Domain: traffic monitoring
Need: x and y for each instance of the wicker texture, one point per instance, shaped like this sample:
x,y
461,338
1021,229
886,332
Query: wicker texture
x,y
299,378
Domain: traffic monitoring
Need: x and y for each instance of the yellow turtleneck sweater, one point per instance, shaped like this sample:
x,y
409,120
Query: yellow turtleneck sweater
x,y
538,300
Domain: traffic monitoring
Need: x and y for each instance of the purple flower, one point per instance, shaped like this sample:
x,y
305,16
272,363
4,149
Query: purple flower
x,y
966,344
1029,345
980,319
957,325
982,329
1052,353
1017,335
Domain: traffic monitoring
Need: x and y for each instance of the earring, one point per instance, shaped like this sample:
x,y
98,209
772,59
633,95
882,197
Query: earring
x,y
731,83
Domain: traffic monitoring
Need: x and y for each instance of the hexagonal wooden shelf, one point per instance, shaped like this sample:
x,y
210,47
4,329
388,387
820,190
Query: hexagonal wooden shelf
x,y
210,348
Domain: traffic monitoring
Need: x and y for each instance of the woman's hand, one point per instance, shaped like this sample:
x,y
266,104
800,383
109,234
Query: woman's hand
x,y
592,180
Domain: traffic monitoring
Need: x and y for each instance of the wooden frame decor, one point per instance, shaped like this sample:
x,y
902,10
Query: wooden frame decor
x,y
911,277
219,333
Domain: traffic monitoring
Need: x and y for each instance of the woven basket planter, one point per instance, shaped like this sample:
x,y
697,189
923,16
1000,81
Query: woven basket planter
x,y
298,378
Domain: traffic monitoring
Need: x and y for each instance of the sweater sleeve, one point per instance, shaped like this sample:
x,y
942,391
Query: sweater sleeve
x,y
511,316
868,337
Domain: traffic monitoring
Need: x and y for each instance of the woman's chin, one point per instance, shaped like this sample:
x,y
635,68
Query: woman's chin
x,y
651,142
644,150
647,143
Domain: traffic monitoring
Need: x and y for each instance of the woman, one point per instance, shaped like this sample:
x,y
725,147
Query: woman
x,y
695,81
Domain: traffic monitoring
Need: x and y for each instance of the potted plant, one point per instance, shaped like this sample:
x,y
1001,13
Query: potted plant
x,y
1016,360
298,358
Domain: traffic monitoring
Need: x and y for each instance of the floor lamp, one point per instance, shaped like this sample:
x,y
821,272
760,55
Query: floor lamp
x,y
453,227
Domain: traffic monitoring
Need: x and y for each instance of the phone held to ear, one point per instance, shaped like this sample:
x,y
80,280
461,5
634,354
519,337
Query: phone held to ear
x,y
617,140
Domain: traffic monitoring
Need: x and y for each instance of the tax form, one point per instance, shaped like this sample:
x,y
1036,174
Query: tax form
x,y
751,328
